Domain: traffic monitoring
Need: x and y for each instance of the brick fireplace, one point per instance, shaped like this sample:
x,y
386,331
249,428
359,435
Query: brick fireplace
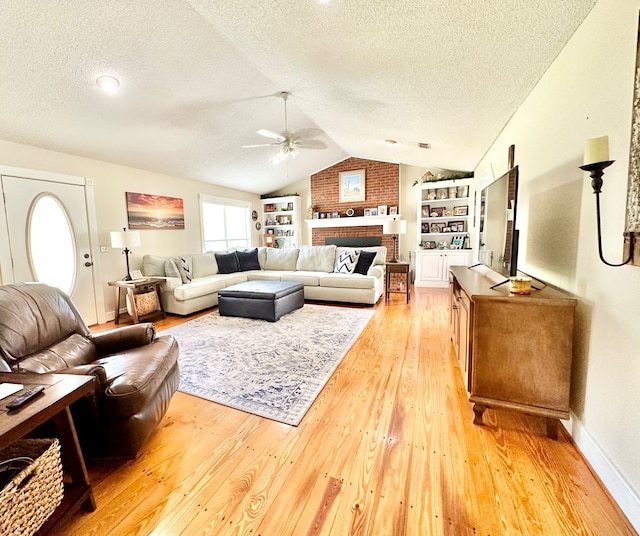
x,y
382,187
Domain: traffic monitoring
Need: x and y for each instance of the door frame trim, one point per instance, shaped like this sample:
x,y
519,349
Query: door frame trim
x,y
6,270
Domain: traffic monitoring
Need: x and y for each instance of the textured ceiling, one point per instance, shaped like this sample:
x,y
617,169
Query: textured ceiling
x,y
198,78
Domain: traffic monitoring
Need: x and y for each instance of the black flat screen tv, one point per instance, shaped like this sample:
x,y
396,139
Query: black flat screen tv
x,y
498,234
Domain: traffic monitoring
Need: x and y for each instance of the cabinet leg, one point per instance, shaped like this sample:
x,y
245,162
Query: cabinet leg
x,y
552,428
478,410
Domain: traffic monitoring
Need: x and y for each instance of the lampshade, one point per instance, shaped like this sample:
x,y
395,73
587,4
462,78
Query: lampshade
x,y
124,239
394,227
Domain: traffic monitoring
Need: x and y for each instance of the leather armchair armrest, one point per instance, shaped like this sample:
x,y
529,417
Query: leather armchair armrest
x,y
124,338
90,369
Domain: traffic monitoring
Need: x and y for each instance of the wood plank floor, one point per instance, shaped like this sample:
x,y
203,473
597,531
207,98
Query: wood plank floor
x,y
388,448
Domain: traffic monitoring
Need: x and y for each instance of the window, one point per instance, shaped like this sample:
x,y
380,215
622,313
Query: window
x,y
225,223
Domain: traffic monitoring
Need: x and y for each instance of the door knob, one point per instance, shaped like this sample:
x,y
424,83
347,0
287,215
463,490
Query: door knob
x,y
86,255
87,264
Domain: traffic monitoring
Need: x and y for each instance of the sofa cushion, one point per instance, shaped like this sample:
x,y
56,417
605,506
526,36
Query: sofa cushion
x,y
308,279
153,265
171,269
380,251
316,258
265,275
248,260
204,264
281,259
346,261
200,287
347,281
365,260
227,262
185,267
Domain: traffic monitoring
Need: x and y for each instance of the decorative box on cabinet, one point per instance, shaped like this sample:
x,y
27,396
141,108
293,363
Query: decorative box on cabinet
x,y
514,351
432,266
282,219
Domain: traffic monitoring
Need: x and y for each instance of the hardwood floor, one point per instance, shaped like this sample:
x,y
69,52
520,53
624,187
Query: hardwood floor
x,y
388,448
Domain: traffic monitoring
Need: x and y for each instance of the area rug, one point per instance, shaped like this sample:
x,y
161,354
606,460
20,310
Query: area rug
x,y
272,369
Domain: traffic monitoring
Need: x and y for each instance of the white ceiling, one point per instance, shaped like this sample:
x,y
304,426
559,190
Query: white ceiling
x,y
198,78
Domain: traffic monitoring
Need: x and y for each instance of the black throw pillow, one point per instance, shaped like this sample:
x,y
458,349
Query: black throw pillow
x,y
227,263
365,260
248,260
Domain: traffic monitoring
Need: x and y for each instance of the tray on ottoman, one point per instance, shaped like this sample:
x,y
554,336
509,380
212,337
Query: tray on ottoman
x,y
266,300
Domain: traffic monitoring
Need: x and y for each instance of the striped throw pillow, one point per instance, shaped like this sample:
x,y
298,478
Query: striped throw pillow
x,y
346,261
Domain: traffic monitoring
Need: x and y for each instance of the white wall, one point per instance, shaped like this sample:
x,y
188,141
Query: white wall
x,y
587,92
111,182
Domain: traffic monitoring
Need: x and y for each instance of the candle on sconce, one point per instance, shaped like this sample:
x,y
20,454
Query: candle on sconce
x,y
596,150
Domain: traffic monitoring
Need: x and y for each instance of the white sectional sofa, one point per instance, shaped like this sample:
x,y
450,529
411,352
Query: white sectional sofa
x,y
192,281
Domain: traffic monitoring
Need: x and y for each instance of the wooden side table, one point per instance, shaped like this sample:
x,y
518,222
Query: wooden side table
x,y
397,268
61,390
134,287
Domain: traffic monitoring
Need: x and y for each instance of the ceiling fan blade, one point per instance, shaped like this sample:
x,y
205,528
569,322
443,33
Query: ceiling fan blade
x,y
269,134
260,145
306,133
309,144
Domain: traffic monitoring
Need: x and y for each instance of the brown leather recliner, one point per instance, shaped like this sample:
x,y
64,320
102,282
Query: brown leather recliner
x,y
135,373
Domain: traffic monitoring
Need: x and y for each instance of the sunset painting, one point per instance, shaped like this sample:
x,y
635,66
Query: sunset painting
x,y
147,211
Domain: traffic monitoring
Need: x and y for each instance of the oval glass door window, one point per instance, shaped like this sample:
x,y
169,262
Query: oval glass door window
x,y
51,244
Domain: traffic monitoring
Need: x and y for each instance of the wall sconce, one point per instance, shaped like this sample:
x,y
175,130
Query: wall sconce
x,y
122,239
394,227
596,160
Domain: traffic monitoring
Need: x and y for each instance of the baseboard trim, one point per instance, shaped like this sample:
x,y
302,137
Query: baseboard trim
x,y
616,485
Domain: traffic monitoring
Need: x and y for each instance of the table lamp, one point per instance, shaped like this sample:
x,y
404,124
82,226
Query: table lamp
x,y
124,239
394,227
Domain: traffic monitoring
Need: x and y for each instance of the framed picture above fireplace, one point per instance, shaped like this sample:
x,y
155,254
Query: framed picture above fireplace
x,y
352,186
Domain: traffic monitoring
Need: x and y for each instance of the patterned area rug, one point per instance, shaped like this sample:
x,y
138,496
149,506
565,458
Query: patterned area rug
x,y
272,369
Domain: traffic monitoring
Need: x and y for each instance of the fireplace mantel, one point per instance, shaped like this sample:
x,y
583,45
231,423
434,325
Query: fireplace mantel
x,y
353,221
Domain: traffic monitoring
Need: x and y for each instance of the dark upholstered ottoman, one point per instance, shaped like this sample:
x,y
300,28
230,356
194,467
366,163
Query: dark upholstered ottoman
x,y
268,300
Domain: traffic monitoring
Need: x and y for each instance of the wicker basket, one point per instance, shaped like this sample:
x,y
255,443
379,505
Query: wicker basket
x,y
31,496
146,302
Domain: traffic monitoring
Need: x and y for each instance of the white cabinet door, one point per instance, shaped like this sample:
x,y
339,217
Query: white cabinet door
x,y
456,258
429,267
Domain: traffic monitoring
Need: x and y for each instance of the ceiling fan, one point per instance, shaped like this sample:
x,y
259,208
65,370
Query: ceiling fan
x,y
289,142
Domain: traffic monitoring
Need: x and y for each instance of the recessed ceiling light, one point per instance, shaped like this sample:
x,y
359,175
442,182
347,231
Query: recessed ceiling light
x,y
108,83
390,142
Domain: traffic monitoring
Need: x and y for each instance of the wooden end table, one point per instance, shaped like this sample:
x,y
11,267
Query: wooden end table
x,y
397,268
61,390
134,287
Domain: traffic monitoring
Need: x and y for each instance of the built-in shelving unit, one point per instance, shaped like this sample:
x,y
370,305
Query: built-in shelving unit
x,y
281,218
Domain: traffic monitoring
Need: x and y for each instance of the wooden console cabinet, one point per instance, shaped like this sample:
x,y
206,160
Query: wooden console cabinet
x,y
514,351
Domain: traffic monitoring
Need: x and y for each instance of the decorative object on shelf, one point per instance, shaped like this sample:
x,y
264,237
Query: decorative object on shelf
x,y
352,186
393,211
367,212
426,211
146,211
335,214
316,215
596,160
310,211
395,228
258,226
457,242
374,211
124,239
289,206
382,210
520,285
463,191
442,193
254,215
350,212
462,210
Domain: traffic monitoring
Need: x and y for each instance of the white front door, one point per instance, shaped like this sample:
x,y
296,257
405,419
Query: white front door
x,y
48,234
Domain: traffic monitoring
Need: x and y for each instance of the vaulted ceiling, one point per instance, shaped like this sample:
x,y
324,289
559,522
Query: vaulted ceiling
x,y
198,78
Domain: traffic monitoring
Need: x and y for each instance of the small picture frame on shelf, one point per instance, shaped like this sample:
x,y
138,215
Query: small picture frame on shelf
x,y
269,207
431,195
426,212
290,207
393,211
453,192
457,242
437,212
425,227
463,191
382,210
323,215
462,210
136,274
448,212
329,215
374,211
456,226
316,215
367,212
436,227
270,231
442,193
430,244
335,215
446,229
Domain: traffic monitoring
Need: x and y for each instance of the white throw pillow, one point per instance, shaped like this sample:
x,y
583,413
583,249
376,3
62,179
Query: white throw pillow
x,y
316,258
346,261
